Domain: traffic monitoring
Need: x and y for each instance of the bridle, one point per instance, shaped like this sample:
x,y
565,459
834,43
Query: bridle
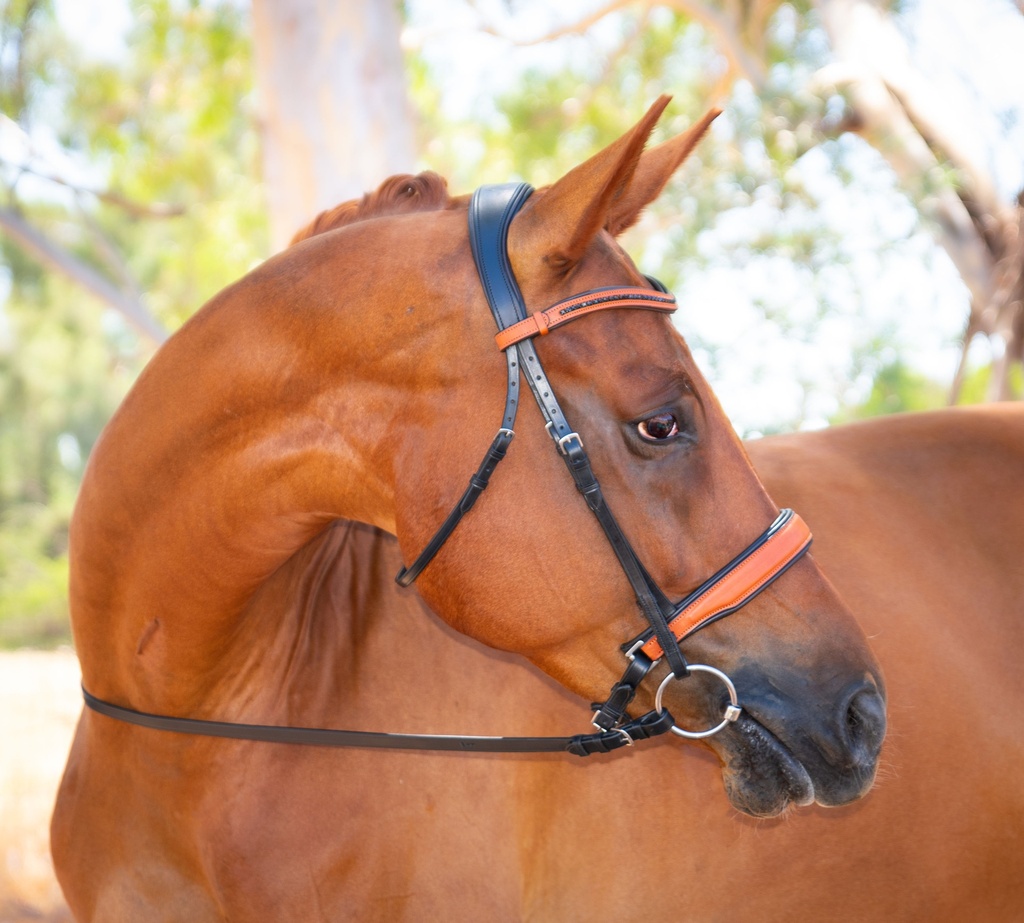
x,y
491,211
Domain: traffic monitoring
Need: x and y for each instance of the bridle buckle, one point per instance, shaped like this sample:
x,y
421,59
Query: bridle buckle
x,y
630,654
563,441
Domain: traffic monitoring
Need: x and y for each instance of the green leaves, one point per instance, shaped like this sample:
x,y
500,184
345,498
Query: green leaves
x,y
157,157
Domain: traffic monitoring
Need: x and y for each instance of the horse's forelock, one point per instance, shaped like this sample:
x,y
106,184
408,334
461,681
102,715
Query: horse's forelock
x,y
397,195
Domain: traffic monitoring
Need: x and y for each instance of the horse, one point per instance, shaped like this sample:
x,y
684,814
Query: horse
x,y
301,439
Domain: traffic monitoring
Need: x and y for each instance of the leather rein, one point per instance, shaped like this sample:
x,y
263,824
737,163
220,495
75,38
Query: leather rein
x,y
491,211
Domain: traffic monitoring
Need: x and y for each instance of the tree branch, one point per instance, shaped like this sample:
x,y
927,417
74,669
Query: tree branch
x,y
109,253
575,28
135,209
45,251
730,40
897,111
30,153
726,31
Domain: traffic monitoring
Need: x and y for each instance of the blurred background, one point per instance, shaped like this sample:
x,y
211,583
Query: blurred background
x,y
846,242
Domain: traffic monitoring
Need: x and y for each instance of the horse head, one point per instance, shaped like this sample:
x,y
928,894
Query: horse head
x,y
531,571
356,376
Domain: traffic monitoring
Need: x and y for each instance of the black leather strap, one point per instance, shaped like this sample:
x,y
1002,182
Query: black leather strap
x,y
656,607
491,211
477,485
612,711
647,726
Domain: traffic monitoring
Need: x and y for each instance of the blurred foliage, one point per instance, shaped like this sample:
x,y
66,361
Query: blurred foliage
x,y
799,226
166,134
896,389
156,153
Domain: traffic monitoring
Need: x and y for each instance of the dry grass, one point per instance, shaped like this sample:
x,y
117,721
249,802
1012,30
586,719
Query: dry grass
x,y
39,705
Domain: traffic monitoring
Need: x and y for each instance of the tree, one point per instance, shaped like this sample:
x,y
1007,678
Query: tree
x,y
799,79
895,107
130,194
131,191
335,113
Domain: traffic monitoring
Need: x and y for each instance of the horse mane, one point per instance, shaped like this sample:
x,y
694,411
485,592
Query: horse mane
x,y
400,194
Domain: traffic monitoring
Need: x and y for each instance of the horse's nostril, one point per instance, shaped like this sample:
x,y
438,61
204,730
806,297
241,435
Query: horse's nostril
x,y
863,721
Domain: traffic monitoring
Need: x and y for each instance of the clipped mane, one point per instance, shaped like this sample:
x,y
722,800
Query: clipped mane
x,y
398,195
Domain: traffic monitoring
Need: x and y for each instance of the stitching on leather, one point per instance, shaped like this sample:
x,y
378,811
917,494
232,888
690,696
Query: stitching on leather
x,y
530,327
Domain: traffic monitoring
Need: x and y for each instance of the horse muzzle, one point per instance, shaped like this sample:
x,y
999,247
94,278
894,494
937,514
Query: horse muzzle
x,y
784,752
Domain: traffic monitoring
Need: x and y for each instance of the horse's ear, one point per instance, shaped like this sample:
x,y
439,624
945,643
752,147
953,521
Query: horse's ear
x,y
558,224
652,173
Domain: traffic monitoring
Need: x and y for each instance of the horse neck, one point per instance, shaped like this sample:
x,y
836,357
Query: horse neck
x,y
265,419
315,626
332,641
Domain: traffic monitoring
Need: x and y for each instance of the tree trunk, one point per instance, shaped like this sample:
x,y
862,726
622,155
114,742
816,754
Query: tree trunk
x,y
335,114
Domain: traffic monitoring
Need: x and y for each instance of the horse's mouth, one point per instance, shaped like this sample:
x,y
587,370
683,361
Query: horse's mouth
x,y
762,776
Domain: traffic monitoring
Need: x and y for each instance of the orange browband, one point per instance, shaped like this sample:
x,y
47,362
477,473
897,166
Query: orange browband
x,y
740,583
597,300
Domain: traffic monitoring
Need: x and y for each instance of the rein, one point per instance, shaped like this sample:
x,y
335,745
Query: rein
x,y
491,211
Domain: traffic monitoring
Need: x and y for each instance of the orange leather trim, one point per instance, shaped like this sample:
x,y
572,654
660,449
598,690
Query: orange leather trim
x,y
740,583
580,305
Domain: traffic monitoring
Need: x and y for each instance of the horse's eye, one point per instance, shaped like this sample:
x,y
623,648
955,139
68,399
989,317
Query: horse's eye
x,y
659,427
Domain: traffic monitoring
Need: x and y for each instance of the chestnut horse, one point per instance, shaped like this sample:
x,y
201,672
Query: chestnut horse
x,y
233,561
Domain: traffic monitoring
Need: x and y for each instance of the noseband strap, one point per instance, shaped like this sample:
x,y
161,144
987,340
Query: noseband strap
x,y
763,562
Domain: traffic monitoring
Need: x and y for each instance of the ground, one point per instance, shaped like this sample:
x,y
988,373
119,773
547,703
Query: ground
x,y
40,701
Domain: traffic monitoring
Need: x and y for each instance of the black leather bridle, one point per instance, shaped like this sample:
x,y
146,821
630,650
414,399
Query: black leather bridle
x,y
491,211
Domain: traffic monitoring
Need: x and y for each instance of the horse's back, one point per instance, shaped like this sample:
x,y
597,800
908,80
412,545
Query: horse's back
x,y
919,521
929,501
957,469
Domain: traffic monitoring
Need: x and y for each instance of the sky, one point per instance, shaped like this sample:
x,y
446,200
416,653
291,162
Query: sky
x,y
971,51
99,24
972,54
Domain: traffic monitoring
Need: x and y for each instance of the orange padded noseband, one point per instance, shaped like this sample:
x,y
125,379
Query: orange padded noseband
x,y
730,590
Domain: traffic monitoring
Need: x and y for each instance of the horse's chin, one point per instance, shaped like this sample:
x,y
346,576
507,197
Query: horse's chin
x,y
761,776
